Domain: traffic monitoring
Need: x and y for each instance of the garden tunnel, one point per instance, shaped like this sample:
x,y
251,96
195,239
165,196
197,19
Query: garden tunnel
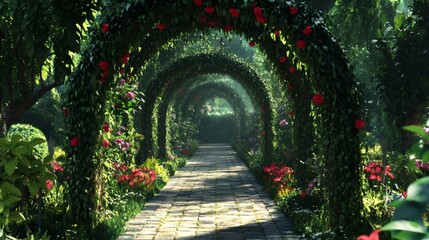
x,y
203,91
151,24
185,68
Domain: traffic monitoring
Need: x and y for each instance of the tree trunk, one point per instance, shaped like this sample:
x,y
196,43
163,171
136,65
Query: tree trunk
x,y
3,128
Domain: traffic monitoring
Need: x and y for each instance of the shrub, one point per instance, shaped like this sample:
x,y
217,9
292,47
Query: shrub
x,y
28,133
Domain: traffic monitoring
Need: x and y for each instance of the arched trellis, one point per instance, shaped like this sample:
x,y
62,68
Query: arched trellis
x,y
174,76
156,21
203,91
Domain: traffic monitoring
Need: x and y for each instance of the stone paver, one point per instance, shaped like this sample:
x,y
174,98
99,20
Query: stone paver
x,y
213,197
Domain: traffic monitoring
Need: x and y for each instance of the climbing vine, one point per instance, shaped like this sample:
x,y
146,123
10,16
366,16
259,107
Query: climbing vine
x,y
285,30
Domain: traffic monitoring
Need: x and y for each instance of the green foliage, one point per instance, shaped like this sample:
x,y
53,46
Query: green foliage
x,y
28,133
408,219
23,176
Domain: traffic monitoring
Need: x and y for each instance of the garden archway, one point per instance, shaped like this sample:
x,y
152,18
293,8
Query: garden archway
x,y
172,78
158,21
203,91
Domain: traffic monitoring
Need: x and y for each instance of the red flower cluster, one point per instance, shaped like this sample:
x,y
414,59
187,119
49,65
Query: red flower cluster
x,y
49,184
134,177
210,9
259,14
161,26
125,58
106,127
301,44
375,169
293,10
56,166
251,43
283,59
281,175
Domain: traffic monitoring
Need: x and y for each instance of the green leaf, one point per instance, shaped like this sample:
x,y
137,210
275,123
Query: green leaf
x,y
9,188
33,187
417,129
16,216
404,225
10,166
419,191
36,141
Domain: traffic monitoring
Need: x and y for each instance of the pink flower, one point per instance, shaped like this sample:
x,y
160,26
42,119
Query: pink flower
x,y
307,30
283,123
121,82
104,28
56,166
49,184
372,236
130,95
234,12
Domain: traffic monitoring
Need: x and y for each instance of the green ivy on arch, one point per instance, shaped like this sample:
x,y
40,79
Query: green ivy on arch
x,y
157,22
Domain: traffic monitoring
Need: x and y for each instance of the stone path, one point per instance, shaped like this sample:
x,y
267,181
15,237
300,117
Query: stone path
x,y
213,197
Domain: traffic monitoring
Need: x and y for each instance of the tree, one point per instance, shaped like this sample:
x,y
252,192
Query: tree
x,y
38,39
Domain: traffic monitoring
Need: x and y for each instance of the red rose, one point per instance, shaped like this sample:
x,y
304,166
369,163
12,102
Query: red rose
x,y
106,143
160,26
234,12
198,2
307,30
277,33
301,44
318,99
104,28
65,111
121,71
359,124
303,195
213,23
283,59
257,11
74,141
106,127
292,69
209,9
125,58
103,65
251,43
293,10
290,86
261,18
228,28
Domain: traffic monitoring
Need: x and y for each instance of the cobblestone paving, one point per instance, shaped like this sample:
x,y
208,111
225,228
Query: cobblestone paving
x,y
213,197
